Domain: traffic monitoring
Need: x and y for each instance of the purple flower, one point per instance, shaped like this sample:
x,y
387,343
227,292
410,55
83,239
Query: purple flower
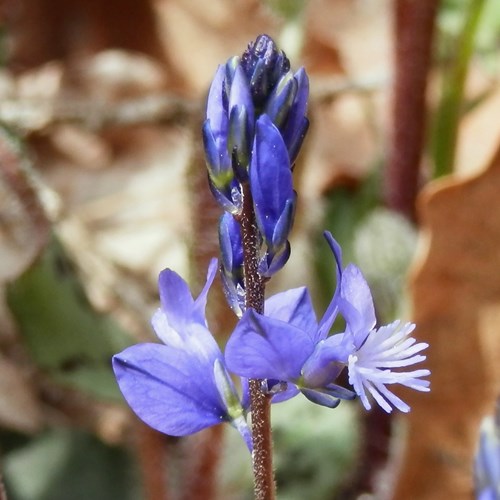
x,y
264,64
288,344
259,83
254,127
181,386
273,196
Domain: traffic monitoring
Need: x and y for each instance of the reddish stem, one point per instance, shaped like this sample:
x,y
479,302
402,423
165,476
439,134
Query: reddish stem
x,y
264,484
414,27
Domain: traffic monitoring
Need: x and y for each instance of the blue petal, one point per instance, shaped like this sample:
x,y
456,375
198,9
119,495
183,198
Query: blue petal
x,y
262,347
171,390
241,111
216,112
228,198
321,398
295,143
239,139
295,308
230,243
328,318
176,299
356,304
234,293
284,223
240,93
193,337
200,303
326,362
280,101
297,124
270,176
177,303
271,262
218,161
290,392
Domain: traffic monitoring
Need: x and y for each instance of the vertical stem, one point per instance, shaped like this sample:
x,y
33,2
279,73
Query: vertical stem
x,y
448,114
414,27
260,403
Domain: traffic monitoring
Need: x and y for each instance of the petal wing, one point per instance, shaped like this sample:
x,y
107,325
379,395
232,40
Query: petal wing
x,y
262,347
171,390
175,297
293,307
356,304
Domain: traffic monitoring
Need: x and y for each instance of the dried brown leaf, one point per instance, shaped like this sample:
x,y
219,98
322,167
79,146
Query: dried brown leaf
x,y
456,297
20,409
197,39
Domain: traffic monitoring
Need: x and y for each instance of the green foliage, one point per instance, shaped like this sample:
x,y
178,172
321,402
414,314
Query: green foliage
x,y
315,448
345,207
64,464
63,333
289,9
451,105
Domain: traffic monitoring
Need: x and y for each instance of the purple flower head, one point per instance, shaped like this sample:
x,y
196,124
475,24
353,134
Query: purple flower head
x,y
181,386
258,84
264,65
288,344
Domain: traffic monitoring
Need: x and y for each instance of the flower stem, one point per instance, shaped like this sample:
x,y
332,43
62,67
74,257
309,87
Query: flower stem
x,y
264,485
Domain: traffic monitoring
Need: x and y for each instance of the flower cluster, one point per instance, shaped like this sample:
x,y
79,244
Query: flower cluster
x,y
184,386
254,127
255,124
288,344
181,386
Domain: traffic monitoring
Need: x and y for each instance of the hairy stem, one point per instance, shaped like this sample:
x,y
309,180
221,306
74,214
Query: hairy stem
x,y
414,28
260,403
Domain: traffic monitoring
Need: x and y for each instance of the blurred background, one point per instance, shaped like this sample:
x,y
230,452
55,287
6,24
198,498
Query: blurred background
x,y
103,184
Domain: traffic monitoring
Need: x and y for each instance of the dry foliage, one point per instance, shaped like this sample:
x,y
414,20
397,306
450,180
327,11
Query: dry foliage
x,y
456,301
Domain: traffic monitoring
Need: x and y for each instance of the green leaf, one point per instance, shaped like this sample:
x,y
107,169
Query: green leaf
x,y
63,333
63,464
345,208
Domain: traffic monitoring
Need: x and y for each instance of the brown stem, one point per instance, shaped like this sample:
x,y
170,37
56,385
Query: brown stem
x,y
264,484
414,27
